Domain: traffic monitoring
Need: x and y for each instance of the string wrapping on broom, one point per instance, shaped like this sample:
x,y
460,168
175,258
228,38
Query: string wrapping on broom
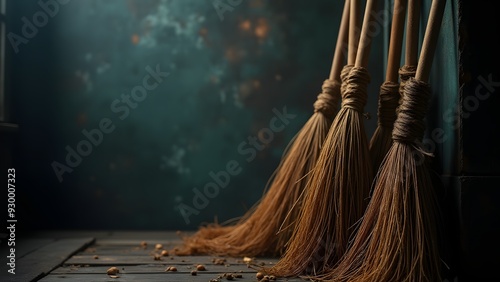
x,y
387,104
355,95
328,100
405,72
343,76
381,141
410,126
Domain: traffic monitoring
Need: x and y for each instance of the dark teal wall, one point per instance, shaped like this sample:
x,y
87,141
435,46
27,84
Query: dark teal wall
x,y
225,77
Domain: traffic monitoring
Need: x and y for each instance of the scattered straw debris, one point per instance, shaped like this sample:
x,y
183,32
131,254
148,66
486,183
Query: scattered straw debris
x,y
247,260
113,270
259,275
219,261
157,257
226,276
229,276
265,278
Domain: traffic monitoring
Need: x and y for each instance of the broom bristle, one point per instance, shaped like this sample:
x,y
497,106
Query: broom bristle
x,y
336,190
397,239
256,233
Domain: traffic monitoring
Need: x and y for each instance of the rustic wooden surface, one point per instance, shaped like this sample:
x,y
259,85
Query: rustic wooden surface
x,y
74,256
37,258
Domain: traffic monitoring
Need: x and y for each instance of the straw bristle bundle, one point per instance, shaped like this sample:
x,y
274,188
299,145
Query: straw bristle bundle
x,y
336,191
397,239
258,232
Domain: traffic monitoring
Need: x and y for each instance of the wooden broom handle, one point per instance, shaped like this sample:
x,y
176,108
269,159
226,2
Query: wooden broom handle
x,y
430,40
412,32
354,22
365,39
396,40
338,58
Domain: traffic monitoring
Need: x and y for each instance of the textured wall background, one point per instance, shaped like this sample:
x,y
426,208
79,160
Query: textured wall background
x,y
225,78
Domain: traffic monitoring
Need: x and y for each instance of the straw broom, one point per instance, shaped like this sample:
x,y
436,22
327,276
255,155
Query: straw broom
x,y
256,233
339,185
397,239
381,140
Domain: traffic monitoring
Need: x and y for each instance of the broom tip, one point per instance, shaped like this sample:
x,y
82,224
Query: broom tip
x,y
402,208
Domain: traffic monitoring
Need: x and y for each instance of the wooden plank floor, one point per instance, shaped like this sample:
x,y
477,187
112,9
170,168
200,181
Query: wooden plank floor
x,y
135,262
38,257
